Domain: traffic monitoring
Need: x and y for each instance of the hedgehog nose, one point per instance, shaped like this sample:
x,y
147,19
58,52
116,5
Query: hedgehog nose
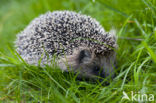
x,y
102,75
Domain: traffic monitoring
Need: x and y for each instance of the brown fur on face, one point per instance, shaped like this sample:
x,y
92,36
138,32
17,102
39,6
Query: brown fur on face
x,y
88,64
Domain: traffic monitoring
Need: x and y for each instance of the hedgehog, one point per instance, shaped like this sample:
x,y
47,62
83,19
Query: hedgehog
x,y
79,42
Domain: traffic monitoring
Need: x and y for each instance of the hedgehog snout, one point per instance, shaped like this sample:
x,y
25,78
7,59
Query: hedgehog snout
x,y
107,63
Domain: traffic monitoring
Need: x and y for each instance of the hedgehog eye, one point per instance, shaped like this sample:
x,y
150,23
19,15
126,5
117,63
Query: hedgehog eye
x,y
84,56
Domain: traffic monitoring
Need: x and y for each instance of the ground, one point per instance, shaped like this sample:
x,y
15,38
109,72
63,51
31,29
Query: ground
x,y
134,21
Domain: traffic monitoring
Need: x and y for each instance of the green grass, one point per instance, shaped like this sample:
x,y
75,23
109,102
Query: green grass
x,y
135,21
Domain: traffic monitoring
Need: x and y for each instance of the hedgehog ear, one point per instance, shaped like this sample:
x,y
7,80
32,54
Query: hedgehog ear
x,y
84,56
